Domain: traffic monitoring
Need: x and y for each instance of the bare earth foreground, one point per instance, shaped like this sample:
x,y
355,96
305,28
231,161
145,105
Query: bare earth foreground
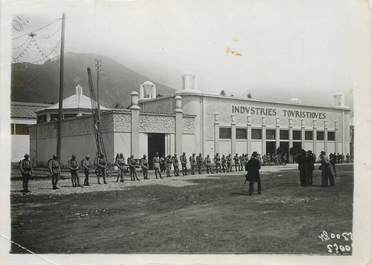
x,y
193,214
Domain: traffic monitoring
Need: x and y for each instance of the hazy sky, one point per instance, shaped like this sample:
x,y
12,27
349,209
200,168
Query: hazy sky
x,y
288,48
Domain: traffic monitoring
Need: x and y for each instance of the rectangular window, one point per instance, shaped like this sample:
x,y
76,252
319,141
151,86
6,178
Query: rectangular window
x,y
241,133
66,116
54,117
225,133
257,134
284,134
308,135
331,136
20,129
320,135
296,135
41,118
270,134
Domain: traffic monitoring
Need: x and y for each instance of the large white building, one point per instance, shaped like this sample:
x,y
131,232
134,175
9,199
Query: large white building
x,y
196,122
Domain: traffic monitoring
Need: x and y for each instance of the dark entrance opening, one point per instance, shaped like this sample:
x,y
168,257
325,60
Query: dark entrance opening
x,y
270,148
155,143
283,152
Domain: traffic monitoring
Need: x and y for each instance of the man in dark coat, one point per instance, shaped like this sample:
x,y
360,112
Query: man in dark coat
x,y
253,173
327,170
26,171
301,160
309,167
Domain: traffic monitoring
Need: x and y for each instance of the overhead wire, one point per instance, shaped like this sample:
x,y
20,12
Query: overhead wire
x,y
37,29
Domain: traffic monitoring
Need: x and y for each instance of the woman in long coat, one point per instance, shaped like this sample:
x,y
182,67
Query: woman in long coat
x,y
327,170
253,173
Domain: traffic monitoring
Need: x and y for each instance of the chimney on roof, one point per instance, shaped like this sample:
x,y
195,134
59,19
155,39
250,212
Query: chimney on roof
x,y
79,93
339,100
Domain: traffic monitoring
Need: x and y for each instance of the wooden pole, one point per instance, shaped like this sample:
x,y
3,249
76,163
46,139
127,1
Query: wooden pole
x,y
98,69
60,101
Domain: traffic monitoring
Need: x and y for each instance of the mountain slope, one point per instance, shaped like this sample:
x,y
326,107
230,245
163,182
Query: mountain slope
x,y
40,83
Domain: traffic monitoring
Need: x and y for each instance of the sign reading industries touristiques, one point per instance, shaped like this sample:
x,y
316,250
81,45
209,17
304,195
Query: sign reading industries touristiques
x,y
289,113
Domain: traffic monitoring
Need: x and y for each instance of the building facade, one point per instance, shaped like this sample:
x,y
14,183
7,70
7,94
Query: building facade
x,y
195,122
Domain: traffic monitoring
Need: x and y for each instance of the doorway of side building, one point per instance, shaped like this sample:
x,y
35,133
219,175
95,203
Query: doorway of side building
x,y
284,152
270,147
155,143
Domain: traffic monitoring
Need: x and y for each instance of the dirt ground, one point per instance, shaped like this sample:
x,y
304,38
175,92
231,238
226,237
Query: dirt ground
x,y
194,214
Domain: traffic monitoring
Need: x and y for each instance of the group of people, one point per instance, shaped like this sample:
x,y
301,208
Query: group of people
x,y
184,165
306,161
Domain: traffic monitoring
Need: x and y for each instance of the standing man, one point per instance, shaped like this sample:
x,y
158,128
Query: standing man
x,y
327,170
253,173
199,162
183,164
132,169
301,160
74,167
229,163
208,164
156,162
120,163
217,162
85,164
309,167
236,162
192,163
144,166
101,168
26,171
168,165
55,171
223,163
176,168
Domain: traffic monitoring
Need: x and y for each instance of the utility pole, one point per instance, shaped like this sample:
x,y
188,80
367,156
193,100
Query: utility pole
x,y
60,102
98,70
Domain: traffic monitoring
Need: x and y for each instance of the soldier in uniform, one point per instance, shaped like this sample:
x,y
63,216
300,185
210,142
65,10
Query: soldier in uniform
x,y
168,165
85,164
236,162
156,162
144,166
327,170
26,171
120,163
223,163
199,162
217,162
162,164
253,173
101,168
208,164
55,171
192,160
229,163
74,167
184,164
176,168
132,168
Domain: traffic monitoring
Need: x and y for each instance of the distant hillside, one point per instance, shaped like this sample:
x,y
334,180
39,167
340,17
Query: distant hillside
x,y
40,83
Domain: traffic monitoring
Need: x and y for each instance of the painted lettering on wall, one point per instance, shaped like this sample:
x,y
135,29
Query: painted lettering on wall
x,y
289,113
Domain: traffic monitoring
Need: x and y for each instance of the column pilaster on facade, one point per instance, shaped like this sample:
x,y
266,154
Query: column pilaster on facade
x,y
134,124
216,132
263,136
336,137
326,137
179,124
314,138
302,134
249,134
233,134
277,133
290,132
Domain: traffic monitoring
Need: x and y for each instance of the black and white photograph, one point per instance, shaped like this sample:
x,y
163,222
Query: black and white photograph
x,y
186,127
